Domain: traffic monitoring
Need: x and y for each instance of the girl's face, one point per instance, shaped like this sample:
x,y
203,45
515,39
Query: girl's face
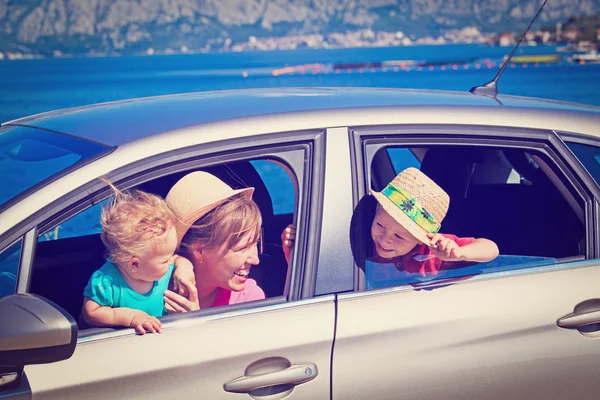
x,y
229,268
390,238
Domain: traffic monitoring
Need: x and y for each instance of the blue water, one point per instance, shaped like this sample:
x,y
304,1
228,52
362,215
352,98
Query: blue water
x,y
33,86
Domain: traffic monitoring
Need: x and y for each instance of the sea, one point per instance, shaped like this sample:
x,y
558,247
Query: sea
x,y
31,86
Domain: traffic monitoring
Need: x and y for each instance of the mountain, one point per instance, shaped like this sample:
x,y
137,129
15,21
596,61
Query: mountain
x,y
54,27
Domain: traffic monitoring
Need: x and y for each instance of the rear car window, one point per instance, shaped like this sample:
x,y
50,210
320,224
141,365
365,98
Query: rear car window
x,y
30,156
589,157
495,193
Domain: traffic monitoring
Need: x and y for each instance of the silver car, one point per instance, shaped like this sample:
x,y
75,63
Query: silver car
x,y
522,172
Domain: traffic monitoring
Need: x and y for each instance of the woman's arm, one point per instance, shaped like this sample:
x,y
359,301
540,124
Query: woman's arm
x,y
184,272
176,303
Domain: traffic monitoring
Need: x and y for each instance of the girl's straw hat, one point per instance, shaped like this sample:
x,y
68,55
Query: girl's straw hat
x,y
196,194
415,202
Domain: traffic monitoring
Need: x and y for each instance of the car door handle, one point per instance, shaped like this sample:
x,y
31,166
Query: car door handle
x,y
585,313
282,373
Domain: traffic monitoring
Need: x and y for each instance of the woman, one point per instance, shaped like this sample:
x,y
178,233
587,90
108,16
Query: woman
x,y
219,230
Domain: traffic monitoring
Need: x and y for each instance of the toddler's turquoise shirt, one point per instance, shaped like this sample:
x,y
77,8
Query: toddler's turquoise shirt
x,y
108,288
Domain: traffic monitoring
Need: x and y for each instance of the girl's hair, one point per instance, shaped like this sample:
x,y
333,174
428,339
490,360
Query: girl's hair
x,y
226,225
133,218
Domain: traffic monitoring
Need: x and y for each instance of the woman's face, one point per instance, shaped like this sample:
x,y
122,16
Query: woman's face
x,y
229,268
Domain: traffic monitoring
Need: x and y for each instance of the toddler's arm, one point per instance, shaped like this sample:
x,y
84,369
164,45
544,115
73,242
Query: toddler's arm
x,y
97,315
480,250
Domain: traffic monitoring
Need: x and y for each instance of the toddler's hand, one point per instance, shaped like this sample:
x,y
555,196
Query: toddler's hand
x,y
287,241
143,322
445,249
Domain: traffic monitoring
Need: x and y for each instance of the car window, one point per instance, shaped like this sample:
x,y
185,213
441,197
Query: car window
x,y
29,156
402,158
589,157
68,253
9,267
495,193
85,223
278,183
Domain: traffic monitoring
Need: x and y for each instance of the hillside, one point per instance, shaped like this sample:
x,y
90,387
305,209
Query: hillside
x,y
88,27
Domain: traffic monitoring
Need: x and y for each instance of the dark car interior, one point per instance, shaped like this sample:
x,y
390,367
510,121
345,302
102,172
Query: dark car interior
x,y
514,197
63,267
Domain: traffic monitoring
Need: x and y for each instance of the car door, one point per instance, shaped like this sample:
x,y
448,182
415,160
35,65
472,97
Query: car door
x,y
496,333
267,349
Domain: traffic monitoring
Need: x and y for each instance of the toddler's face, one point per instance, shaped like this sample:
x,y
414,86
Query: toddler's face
x,y
155,263
390,238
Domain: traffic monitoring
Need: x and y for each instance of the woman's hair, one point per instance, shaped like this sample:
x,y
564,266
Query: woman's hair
x,y
226,225
133,218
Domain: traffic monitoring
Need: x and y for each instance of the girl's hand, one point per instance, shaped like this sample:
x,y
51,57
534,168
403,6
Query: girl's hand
x,y
184,271
175,303
445,249
287,241
143,322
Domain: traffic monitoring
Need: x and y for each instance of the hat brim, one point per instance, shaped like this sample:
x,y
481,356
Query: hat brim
x,y
182,226
411,226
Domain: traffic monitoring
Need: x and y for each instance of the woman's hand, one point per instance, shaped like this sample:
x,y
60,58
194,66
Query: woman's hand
x,y
143,322
287,241
184,271
176,303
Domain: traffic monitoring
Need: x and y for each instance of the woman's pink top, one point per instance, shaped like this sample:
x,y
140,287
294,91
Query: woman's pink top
x,y
251,292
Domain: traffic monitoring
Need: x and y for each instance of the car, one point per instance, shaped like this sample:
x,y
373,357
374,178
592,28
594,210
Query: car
x,y
523,172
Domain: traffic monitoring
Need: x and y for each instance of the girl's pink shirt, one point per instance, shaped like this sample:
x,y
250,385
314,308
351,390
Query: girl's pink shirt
x,y
250,293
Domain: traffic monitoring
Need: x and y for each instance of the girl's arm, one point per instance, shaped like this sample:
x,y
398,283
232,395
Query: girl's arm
x,y
479,250
96,315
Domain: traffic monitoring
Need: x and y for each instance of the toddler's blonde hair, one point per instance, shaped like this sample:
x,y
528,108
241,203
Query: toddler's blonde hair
x,y
130,221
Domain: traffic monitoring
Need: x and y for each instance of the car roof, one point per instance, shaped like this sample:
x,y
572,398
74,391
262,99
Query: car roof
x,y
123,121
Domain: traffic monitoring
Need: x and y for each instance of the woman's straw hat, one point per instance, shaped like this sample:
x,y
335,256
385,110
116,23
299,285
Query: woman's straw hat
x,y
196,194
415,202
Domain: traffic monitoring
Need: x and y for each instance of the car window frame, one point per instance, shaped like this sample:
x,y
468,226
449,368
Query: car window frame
x,y
301,280
563,137
368,140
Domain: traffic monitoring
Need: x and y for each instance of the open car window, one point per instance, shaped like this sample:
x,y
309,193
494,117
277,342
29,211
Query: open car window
x,y
515,197
68,253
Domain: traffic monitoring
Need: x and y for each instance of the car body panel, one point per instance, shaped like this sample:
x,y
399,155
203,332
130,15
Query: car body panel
x,y
195,356
123,121
489,338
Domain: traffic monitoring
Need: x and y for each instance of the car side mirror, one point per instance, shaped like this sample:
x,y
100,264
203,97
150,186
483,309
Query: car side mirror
x,y
34,330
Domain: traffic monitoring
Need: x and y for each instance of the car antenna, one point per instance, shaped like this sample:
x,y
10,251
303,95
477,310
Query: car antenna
x,y
490,89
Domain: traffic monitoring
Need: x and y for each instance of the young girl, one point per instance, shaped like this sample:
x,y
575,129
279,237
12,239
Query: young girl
x,y
138,230
404,234
405,229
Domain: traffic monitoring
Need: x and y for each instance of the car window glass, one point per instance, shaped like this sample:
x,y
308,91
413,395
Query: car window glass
x,y
402,158
85,223
28,156
278,183
589,157
9,267
495,193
